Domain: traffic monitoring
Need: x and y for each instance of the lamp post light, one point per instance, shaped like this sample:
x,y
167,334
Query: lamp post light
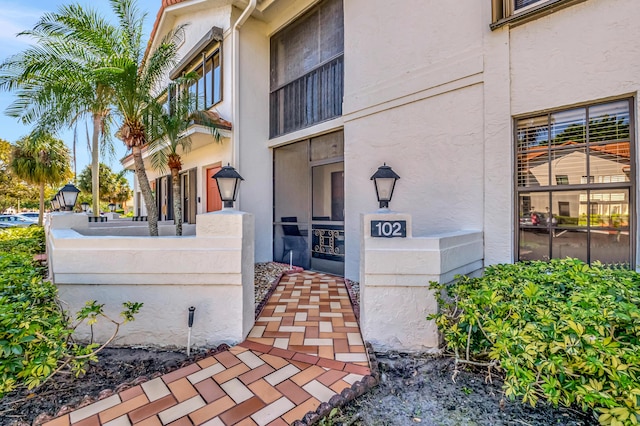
x,y
84,206
228,181
59,201
69,194
112,207
385,181
55,205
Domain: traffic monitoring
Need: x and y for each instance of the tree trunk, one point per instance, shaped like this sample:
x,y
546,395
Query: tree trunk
x,y
145,188
41,206
95,164
177,204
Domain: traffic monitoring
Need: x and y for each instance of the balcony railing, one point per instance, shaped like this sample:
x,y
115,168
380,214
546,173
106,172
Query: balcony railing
x,y
310,99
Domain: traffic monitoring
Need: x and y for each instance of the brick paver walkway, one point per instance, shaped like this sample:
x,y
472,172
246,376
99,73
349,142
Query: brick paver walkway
x,y
304,348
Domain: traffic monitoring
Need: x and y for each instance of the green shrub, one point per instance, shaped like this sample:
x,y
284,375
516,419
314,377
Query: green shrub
x,y
22,240
35,333
560,330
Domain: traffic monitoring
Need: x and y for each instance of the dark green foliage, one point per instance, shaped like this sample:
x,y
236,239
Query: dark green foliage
x,y
28,241
35,333
561,330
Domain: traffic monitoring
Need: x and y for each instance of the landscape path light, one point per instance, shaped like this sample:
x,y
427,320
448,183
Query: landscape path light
x,y
69,195
228,180
385,181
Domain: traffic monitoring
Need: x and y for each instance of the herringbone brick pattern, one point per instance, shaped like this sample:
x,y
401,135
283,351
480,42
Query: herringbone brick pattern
x,y
305,348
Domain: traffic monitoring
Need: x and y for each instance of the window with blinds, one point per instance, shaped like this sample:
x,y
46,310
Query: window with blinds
x,y
307,69
575,183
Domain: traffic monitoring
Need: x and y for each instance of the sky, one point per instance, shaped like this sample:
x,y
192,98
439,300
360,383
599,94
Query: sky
x,y
20,15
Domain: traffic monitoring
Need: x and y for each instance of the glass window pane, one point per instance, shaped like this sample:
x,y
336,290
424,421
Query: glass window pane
x,y
522,3
534,235
533,169
533,208
569,243
609,208
217,79
328,192
568,127
568,166
532,132
611,246
534,245
569,209
208,70
611,162
200,103
609,122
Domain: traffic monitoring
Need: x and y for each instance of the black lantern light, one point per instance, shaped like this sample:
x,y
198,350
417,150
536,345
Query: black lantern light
x,y
385,181
55,205
60,201
84,206
112,207
228,181
69,194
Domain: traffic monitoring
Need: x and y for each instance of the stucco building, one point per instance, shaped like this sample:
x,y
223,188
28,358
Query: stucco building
x,y
516,118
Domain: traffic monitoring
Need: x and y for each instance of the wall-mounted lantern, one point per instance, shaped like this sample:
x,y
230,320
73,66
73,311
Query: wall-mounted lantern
x,y
228,181
112,207
84,206
385,181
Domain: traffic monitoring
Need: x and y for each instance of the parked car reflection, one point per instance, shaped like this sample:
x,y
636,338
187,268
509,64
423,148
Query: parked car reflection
x,y
15,220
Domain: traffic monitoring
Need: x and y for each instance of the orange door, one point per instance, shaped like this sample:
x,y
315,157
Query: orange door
x,y
214,203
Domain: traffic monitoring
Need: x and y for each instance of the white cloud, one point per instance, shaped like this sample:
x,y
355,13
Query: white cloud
x,y
15,18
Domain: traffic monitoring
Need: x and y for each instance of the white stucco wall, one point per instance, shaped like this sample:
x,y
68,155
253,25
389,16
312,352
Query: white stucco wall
x,y
212,271
418,106
254,161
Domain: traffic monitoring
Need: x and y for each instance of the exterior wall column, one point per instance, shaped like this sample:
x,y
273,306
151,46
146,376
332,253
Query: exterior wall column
x,y
395,298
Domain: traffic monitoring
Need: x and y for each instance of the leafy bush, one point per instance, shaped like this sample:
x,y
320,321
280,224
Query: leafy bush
x,y
35,333
560,330
22,240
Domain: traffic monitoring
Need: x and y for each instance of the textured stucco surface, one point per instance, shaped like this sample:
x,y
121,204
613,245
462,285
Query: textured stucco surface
x,y
212,271
394,282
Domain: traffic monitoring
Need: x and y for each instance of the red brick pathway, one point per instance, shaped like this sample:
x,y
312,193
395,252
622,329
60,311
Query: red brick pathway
x,y
304,348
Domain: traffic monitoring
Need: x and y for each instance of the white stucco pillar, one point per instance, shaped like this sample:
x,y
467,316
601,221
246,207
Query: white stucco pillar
x,y
395,272
68,220
238,227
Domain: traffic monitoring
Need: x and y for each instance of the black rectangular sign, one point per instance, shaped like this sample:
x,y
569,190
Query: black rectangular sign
x,y
389,228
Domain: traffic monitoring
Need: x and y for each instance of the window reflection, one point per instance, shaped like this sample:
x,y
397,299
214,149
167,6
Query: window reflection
x,y
574,183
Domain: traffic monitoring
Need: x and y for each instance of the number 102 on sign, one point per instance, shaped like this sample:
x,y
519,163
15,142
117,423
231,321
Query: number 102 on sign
x,y
389,228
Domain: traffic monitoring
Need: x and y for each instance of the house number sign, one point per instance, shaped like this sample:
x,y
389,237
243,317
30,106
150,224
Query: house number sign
x,y
389,228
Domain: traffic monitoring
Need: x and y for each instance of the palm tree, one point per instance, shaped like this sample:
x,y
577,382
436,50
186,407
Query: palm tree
x,y
134,76
168,124
112,61
41,159
56,80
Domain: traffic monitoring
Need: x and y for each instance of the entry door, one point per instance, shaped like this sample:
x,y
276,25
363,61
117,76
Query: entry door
x,y
214,202
308,210
165,208
188,193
